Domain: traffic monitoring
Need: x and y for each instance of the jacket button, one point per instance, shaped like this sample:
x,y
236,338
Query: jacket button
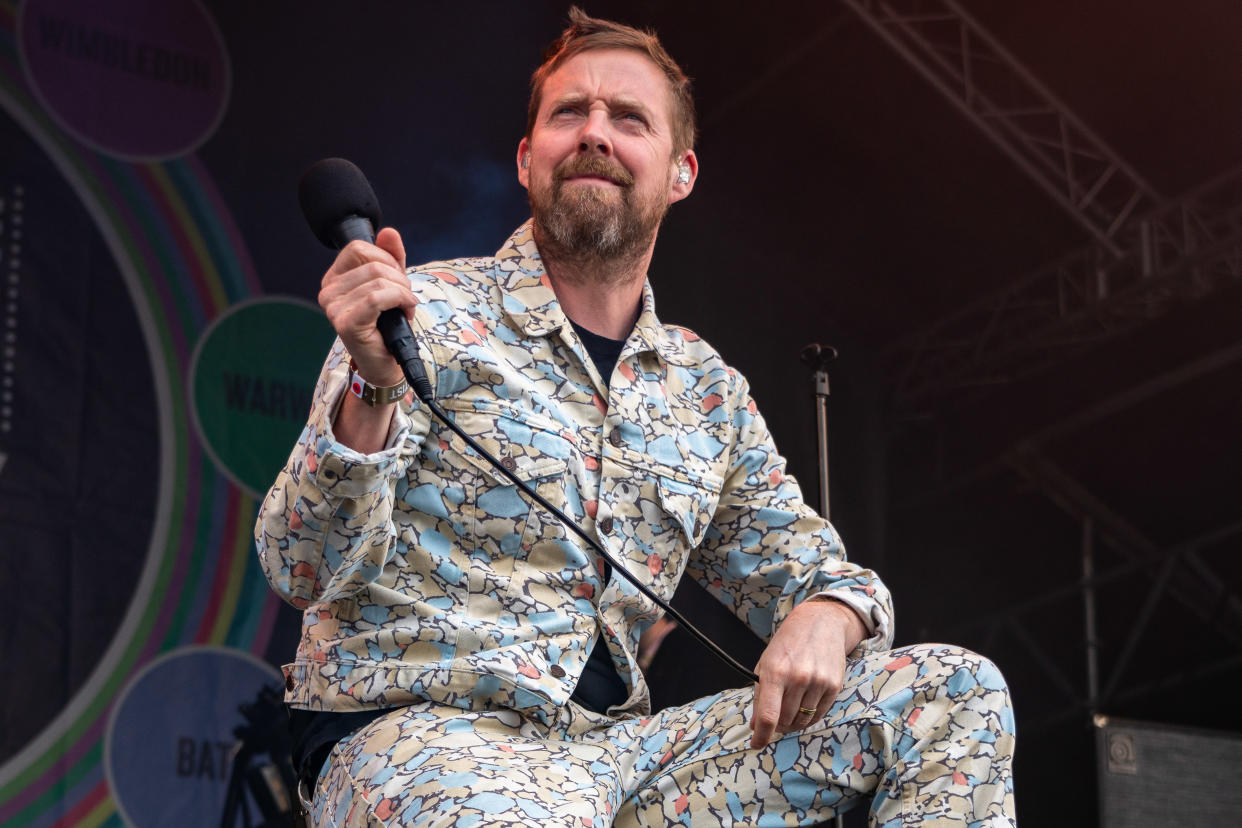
x,y
289,683
557,670
605,526
509,463
614,437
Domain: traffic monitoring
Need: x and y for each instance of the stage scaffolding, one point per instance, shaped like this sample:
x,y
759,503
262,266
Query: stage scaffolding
x,y
1145,255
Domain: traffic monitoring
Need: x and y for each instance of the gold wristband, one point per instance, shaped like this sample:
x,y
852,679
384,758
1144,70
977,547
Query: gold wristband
x,y
374,395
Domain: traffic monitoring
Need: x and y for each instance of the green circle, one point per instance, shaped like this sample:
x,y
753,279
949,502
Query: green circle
x,y
251,380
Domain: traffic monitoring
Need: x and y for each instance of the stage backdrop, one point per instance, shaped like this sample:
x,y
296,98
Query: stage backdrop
x,y
156,371
160,339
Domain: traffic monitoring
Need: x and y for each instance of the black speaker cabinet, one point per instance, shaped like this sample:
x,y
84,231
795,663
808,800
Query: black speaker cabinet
x,y
1160,775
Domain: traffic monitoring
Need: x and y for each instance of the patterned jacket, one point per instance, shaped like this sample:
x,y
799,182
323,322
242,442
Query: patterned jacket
x,y
422,574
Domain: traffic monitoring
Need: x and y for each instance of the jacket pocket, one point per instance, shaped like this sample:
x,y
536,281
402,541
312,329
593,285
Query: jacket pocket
x,y
498,525
690,505
666,518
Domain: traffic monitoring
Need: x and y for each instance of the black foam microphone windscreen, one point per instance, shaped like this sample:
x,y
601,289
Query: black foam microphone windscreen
x,y
340,207
336,197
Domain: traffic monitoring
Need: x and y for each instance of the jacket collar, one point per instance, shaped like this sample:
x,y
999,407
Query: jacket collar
x,y
529,300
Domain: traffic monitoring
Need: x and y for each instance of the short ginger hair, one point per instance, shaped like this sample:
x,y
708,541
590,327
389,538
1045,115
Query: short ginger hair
x,y
586,33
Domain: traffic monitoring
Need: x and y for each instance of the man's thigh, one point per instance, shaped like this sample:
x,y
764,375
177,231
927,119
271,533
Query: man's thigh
x,y
429,765
898,731
696,767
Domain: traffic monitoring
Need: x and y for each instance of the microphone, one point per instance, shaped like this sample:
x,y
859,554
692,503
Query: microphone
x,y
338,203
340,206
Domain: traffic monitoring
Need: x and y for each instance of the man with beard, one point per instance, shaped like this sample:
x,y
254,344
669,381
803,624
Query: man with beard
x,y
467,661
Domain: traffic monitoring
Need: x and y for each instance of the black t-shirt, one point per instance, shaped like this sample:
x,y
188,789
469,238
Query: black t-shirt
x,y
600,687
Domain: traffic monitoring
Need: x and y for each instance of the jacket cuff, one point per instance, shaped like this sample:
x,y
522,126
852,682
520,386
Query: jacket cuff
x,y
873,618
341,471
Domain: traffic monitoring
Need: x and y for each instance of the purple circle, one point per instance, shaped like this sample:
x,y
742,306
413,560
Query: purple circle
x,y
141,80
171,742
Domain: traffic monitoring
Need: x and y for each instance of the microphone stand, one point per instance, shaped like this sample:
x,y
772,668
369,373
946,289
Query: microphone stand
x,y
817,357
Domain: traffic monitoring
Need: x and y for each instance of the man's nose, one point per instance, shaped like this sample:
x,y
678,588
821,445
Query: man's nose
x,y
595,135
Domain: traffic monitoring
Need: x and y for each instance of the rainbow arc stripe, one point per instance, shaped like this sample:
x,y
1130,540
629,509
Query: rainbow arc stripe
x,y
184,263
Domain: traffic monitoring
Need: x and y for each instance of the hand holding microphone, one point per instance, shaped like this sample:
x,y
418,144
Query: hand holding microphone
x,y
365,280
365,293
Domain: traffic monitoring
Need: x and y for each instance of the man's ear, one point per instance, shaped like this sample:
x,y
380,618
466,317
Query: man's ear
x,y
685,173
523,162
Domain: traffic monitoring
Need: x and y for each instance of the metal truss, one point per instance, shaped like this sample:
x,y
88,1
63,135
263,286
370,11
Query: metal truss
x,y
1177,572
1195,585
1018,113
1145,254
1182,251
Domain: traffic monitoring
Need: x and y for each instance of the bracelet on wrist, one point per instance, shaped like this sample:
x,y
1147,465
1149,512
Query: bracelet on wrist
x,y
374,395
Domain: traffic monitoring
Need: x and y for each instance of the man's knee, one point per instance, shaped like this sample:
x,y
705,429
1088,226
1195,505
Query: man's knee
x,y
949,671
962,678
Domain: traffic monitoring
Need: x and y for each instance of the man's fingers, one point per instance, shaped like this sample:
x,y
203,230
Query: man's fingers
x,y
358,253
337,285
353,313
807,706
364,281
362,306
765,713
803,667
791,703
799,707
821,709
811,708
389,240
354,320
353,316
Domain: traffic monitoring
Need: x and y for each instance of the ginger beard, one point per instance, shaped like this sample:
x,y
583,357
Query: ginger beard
x,y
594,223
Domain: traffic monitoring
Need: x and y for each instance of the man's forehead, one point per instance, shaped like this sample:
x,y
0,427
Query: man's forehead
x,y
621,75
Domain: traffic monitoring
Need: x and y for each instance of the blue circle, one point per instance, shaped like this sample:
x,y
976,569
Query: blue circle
x,y
170,744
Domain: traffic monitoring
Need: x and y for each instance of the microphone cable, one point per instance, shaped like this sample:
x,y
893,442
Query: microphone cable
x,y
405,351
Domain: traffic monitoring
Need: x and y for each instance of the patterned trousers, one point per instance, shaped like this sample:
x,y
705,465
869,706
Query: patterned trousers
x,y
926,732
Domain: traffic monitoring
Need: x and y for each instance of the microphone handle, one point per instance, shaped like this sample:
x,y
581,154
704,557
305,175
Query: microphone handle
x,y
392,324
395,329
352,228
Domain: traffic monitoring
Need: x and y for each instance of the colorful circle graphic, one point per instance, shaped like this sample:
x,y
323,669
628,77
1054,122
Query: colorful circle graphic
x,y
140,80
170,744
251,379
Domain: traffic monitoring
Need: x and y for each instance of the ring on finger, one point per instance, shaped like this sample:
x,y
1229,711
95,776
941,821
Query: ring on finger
x,y
806,711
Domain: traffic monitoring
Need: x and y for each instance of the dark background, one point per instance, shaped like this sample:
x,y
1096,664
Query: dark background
x,y
843,200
